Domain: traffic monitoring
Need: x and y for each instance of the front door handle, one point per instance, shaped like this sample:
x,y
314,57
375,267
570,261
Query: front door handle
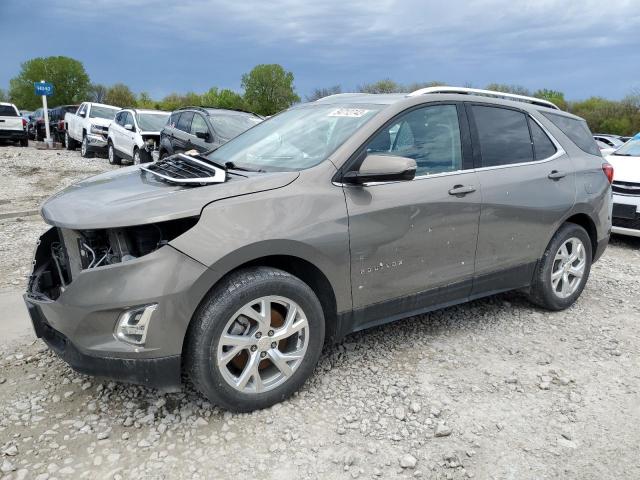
x,y
462,190
556,175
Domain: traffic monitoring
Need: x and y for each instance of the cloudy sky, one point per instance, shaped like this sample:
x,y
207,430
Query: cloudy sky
x,y
582,47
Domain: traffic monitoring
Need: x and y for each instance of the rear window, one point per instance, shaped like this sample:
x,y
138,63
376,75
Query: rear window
x,y
504,136
8,111
542,144
576,130
230,126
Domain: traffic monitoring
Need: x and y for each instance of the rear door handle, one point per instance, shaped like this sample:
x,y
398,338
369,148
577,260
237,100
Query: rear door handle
x,y
556,175
462,190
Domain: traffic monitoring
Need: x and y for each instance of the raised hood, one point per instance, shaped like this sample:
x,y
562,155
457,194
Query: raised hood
x,y
130,196
625,169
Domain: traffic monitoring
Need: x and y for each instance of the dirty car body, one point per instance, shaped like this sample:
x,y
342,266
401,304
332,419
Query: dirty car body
x,y
133,254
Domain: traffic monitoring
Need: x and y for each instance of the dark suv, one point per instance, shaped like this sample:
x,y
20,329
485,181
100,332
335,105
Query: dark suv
x,y
202,129
56,121
35,127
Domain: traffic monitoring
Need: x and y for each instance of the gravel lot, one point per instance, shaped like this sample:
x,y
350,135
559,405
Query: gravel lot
x,y
492,389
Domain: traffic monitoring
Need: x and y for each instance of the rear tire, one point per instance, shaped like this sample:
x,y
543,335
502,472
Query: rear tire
x,y
278,295
24,142
563,270
69,143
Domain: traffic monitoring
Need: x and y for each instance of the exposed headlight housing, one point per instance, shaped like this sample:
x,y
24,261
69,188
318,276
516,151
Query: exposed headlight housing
x,y
133,324
97,129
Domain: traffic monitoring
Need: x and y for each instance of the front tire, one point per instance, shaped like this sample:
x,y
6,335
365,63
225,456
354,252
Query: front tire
x,y
255,339
24,142
112,155
85,152
563,270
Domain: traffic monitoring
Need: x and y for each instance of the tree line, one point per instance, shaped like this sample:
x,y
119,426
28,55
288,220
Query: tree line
x,y
269,88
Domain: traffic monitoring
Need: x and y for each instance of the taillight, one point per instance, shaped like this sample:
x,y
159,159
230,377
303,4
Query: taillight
x,y
24,123
61,124
607,168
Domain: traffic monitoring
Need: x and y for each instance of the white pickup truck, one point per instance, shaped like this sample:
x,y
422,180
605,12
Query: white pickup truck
x,y
88,127
12,126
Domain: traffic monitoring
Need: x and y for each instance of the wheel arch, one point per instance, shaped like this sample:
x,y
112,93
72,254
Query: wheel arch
x,y
586,222
303,269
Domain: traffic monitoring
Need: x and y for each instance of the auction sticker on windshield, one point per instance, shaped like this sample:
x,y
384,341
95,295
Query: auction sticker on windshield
x,y
348,112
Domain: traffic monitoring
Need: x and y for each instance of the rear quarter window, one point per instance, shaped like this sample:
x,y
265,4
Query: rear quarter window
x,y
577,131
8,111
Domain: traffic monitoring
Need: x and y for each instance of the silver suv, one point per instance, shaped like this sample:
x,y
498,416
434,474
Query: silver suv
x,y
236,266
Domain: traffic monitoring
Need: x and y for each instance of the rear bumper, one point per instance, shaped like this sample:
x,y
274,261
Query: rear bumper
x,y
13,134
160,373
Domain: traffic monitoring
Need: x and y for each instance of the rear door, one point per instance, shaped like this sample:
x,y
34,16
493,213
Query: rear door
x,y
528,186
413,242
182,133
116,128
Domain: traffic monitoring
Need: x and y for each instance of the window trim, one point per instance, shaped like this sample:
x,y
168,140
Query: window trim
x,y
356,158
477,156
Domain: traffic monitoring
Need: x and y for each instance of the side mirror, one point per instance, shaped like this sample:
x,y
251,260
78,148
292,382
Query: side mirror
x,y
203,135
129,127
383,168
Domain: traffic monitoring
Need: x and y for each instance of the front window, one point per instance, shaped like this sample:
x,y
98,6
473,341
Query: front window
x,y
629,149
296,139
103,112
152,122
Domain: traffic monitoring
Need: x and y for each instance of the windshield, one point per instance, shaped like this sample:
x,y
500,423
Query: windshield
x,y
230,126
152,122
295,139
629,149
103,112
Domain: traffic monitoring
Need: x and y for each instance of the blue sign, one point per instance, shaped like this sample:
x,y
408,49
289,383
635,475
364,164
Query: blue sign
x,y
43,88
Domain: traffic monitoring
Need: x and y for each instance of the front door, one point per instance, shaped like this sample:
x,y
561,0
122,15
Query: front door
x,y
413,242
528,186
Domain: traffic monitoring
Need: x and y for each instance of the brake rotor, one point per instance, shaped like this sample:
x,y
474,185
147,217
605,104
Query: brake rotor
x,y
277,321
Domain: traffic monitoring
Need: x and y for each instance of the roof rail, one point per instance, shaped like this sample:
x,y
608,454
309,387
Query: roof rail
x,y
486,93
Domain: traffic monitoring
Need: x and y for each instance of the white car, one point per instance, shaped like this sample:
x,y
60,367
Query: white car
x,y
612,141
134,135
604,148
626,188
12,126
88,127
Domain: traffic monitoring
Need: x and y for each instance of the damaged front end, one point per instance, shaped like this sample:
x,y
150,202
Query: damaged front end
x,y
151,142
63,253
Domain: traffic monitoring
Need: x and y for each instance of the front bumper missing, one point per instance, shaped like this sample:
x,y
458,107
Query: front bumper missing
x,y
79,320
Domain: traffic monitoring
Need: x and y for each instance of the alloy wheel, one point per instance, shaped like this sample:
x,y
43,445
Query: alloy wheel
x,y
111,155
136,157
83,147
263,344
568,268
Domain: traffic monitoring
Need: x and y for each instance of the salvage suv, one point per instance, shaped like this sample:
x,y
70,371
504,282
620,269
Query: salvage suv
x,y
234,267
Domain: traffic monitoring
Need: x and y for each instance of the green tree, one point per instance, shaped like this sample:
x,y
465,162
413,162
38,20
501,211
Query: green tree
x,y
3,95
97,93
504,88
381,86
269,89
67,75
553,96
412,87
120,95
319,93
144,100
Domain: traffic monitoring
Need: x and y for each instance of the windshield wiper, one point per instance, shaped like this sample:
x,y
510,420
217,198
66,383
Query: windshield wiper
x,y
233,166
622,154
